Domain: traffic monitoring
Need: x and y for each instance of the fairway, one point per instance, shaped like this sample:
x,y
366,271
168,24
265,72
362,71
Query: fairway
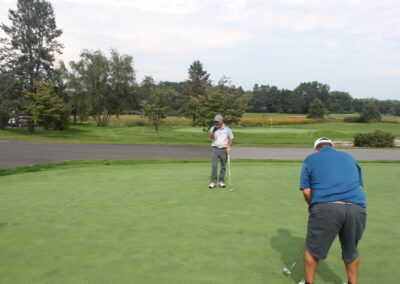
x,y
159,223
299,135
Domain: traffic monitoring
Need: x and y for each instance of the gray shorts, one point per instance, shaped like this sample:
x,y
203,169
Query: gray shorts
x,y
327,220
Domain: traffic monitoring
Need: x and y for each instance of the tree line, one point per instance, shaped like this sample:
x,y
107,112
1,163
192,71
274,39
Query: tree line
x,y
266,98
100,85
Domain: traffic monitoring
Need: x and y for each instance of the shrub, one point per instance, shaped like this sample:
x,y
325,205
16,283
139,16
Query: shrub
x,y
376,139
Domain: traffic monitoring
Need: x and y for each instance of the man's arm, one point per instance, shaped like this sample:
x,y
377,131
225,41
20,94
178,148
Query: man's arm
x,y
360,177
307,193
212,132
230,142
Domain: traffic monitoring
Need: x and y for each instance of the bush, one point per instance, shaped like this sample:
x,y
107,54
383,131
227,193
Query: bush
x,y
376,139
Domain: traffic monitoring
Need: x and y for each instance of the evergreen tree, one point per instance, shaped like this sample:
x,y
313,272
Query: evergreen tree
x,y
32,37
195,88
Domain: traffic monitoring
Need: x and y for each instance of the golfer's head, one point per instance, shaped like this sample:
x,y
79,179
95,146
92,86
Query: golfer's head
x,y
218,119
322,142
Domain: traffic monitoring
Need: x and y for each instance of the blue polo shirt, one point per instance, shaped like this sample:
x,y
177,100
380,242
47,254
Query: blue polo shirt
x,y
332,176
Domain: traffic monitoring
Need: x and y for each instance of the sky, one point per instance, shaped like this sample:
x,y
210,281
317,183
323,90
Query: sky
x,y
351,45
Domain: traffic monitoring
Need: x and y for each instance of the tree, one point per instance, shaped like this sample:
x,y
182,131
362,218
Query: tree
x,y
339,102
32,38
91,72
227,100
46,108
122,81
101,86
11,101
370,113
195,88
76,89
316,109
154,108
174,92
310,91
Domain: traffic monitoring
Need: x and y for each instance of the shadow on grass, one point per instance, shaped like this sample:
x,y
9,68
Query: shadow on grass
x,y
291,249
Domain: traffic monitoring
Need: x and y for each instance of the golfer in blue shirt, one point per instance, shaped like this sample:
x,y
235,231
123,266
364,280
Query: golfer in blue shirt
x,y
332,185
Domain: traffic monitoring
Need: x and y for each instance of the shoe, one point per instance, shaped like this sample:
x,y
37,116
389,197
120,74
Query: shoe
x,y
212,185
302,282
221,184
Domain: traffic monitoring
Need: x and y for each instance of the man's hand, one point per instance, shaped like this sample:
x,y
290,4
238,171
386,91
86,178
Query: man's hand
x,y
307,193
215,128
228,149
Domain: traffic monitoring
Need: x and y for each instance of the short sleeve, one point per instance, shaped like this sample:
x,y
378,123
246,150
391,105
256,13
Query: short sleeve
x,y
230,134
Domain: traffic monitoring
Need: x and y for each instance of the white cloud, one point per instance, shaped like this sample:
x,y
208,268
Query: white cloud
x,y
174,7
361,36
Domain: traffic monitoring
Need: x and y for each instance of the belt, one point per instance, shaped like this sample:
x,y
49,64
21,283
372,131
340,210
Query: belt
x,y
341,202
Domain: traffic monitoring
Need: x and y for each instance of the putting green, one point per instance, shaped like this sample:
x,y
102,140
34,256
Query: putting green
x,y
159,223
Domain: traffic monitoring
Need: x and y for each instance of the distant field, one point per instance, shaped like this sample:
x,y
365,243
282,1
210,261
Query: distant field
x,y
281,136
290,135
272,115
157,222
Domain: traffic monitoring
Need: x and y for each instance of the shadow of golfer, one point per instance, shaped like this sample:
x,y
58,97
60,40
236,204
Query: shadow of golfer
x,y
291,249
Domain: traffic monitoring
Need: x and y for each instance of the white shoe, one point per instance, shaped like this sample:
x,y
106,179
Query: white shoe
x,y
302,282
221,184
212,185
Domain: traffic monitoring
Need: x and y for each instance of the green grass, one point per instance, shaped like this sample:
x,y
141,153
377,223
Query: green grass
x,y
281,135
156,222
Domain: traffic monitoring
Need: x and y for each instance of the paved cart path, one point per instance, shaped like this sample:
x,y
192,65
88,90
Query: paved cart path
x,y
16,153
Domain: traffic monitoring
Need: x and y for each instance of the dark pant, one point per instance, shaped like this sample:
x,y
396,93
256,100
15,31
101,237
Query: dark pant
x,y
327,220
218,154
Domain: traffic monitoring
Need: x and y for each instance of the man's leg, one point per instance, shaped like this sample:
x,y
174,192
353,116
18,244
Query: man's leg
x,y
352,270
349,236
310,266
324,222
214,165
223,157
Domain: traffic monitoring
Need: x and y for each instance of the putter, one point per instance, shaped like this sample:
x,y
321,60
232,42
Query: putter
x,y
229,173
289,270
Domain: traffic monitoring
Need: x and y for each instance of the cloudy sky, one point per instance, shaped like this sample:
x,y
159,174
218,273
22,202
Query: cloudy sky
x,y
351,45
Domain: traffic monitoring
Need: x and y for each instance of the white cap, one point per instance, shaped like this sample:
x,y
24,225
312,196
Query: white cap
x,y
322,140
218,118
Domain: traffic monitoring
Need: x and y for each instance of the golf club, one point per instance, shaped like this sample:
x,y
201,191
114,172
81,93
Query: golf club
x,y
229,173
289,270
